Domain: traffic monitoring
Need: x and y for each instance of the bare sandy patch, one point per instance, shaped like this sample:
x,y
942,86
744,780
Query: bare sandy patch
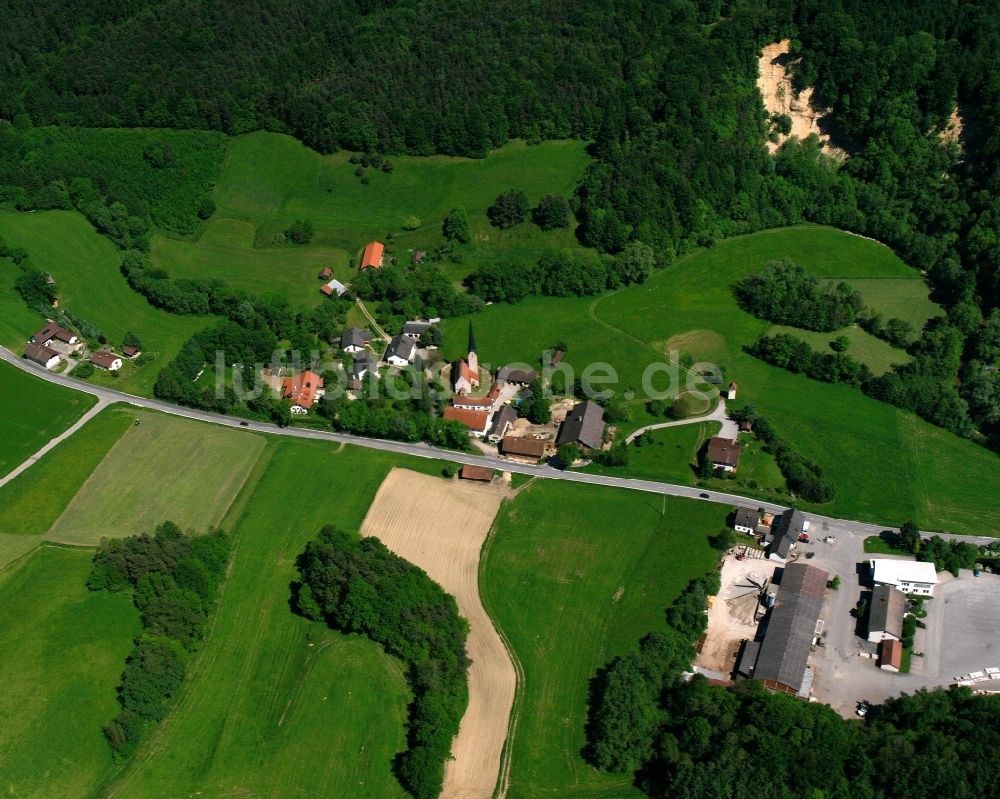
x,y
440,525
780,97
953,130
734,613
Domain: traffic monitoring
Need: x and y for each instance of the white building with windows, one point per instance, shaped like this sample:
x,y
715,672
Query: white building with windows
x,y
909,576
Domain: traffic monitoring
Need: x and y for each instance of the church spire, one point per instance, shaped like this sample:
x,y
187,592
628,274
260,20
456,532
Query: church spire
x,y
472,339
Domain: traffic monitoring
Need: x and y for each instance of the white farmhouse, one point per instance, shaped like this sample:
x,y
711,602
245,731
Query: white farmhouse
x,y
909,576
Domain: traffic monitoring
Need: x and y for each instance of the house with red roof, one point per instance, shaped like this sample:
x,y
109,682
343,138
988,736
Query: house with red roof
x,y
303,390
477,421
372,256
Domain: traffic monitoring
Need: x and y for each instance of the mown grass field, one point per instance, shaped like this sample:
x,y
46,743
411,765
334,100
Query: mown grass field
x,y
63,651
163,468
887,464
574,575
275,705
32,412
877,354
903,298
31,503
90,285
269,180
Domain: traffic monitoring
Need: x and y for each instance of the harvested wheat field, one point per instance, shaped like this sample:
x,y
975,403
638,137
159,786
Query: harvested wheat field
x,y
440,525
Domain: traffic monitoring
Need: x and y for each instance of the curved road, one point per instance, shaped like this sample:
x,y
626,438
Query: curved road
x,y
421,450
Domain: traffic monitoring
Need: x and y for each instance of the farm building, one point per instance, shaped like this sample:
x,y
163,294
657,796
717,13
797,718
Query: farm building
x,y
131,352
303,389
476,421
746,520
481,473
401,351
890,655
785,533
584,425
503,422
415,328
372,256
333,287
731,393
41,354
325,273
724,453
53,332
909,576
106,360
354,339
523,447
521,377
782,662
885,614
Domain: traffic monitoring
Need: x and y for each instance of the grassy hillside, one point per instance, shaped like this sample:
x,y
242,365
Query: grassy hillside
x,y
887,464
269,180
163,468
63,652
276,706
89,283
32,412
574,575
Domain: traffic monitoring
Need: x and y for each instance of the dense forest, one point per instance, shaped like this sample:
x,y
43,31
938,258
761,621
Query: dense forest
x,y
665,90
357,585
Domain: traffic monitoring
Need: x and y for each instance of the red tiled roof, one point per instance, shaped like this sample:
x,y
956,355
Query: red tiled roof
x,y
327,289
302,388
474,420
128,350
892,653
326,273
371,258
104,359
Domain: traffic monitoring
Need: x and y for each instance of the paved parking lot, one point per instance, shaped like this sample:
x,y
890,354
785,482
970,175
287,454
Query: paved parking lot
x,y
963,627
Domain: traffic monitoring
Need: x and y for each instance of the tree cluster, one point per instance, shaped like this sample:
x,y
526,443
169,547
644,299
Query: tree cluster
x,y
357,585
299,232
946,555
174,579
401,292
784,294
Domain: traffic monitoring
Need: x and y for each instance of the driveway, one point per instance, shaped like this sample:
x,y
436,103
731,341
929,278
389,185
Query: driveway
x,y
729,428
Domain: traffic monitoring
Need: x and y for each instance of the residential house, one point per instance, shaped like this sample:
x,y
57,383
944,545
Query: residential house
x,y
746,520
785,533
333,287
584,426
782,662
41,354
890,655
363,365
415,328
354,339
476,421
372,256
482,473
731,393
503,422
401,351
106,360
885,613
53,332
909,576
488,402
303,390
523,447
724,453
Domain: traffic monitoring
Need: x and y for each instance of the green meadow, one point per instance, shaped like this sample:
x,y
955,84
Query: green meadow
x,y
887,464
63,652
574,575
268,181
32,412
90,285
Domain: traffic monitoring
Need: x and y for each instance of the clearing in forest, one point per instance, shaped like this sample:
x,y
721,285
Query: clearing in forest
x,y
440,526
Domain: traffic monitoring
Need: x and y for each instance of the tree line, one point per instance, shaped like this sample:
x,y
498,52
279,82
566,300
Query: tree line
x,y
356,585
174,579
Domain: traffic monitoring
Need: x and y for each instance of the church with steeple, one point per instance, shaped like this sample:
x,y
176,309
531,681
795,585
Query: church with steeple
x,y
465,372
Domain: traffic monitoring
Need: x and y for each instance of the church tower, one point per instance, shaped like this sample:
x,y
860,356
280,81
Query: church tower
x,y
473,359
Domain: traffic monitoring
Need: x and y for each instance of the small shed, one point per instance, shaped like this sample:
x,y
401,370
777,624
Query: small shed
x,y
890,655
481,473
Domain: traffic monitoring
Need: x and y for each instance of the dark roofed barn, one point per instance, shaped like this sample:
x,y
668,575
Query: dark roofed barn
x,y
584,425
885,613
523,447
784,652
786,531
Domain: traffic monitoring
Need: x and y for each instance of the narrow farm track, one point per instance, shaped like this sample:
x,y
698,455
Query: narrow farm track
x,y
441,526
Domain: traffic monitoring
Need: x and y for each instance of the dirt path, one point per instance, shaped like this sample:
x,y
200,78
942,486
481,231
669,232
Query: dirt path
x,y
729,428
440,525
375,326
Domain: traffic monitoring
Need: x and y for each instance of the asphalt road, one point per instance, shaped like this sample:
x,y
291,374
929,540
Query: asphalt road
x,y
421,450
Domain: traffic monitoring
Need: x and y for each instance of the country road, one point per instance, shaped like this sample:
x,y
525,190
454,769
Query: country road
x,y
422,450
